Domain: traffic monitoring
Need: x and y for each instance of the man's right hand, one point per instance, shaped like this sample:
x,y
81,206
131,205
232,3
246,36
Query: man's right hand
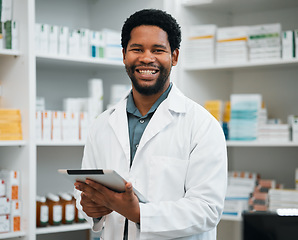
x,y
93,210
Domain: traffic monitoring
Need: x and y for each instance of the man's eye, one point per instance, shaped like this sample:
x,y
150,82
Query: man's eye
x,y
136,50
158,50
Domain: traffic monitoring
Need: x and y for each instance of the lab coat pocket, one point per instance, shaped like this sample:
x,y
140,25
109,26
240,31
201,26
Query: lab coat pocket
x,y
167,178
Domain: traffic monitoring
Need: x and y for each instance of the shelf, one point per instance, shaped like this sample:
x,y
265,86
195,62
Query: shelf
x,y
8,52
69,61
61,143
231,218
236,6
12,235
264,64
63,228
261,144
12,143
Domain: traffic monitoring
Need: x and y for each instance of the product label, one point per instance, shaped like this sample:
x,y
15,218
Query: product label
x,y
57,214
69,212
44,214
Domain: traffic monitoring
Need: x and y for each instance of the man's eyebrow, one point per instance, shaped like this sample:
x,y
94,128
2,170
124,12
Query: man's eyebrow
x,y
135,45
140,45
160,46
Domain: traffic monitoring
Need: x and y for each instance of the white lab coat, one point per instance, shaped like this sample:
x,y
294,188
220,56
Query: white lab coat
x,y
180,166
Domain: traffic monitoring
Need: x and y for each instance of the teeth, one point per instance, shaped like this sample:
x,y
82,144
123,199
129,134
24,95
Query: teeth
x,y
147,71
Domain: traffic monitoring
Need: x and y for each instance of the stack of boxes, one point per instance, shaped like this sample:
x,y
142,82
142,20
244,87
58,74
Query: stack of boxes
x,y
10,202
259,199
61,126
239,44
10,124
72,123
244,121
62,41
274,132
240,187
264,42
293,125
283,199
231,45
199,46
8,27
215,108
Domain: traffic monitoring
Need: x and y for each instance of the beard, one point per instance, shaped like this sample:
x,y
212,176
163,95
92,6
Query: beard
x,y
153,89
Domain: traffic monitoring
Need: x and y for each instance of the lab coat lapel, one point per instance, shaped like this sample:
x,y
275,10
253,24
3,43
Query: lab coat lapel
x,y
160,119
175,102
119,124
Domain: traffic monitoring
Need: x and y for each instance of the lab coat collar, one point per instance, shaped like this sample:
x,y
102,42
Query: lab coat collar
x,y
175,102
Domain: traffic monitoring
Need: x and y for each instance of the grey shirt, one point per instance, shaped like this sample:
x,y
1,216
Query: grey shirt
x,y
137,123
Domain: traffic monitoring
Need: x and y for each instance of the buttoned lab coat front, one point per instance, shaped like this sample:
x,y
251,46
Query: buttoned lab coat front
x,y
180,166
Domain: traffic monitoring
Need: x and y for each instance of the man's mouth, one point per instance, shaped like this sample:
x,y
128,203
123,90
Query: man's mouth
x,y
146,72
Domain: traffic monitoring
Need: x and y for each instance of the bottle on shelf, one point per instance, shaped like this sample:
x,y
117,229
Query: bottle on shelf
x,y
55,209
42,211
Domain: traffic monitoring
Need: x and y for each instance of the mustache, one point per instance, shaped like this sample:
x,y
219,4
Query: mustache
x,y
145,65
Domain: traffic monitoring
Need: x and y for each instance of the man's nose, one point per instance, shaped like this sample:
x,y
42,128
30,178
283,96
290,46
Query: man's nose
x,y
147,56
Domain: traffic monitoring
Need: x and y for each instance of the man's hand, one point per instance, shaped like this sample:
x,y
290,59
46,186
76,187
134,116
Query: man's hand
x,y
97,200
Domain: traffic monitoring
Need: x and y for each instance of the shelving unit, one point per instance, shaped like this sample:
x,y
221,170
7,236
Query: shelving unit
x,y
269,64
63,228
12,235
25,75
12,143
275,80
8,52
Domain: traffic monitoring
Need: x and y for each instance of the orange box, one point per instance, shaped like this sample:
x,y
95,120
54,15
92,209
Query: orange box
x,y
15,217
12,180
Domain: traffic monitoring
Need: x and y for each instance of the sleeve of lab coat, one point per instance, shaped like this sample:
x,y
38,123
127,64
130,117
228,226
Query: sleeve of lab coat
x,y
88,162
200,209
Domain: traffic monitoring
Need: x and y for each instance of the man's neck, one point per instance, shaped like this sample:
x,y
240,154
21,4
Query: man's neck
x,y
145,102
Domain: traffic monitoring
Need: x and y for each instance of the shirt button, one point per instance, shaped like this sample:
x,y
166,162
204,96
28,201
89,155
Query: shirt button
x,y
137,145
142,121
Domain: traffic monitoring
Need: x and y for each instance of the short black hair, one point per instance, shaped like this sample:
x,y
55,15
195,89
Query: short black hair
x,y
152,17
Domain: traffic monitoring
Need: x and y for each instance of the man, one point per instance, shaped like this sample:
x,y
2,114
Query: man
x,y
165,145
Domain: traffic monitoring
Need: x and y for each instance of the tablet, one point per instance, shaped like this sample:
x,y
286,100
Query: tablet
x,y
109,178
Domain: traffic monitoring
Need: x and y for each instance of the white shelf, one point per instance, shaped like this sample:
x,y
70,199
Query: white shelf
x,y
63,228
261,144
12,143
12,235
61,143
236,6
235,66
231,218
69,61
9,52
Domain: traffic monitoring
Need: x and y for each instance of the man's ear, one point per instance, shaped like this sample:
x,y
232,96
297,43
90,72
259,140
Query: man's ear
x,y
123,54
175,56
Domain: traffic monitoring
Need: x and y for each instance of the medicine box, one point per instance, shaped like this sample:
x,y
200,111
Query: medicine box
x,y
4,223
15,216
56,126
63,40
46,125
288,45
4,205
2,188
12,180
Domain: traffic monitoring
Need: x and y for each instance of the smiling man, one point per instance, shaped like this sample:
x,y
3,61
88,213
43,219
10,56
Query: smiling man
x,y
164,144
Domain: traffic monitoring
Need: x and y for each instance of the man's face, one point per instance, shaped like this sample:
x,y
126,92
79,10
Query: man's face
x,y
148,59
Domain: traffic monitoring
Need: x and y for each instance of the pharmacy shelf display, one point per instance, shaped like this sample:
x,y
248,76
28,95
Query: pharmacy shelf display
x,y
29,74
274,79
